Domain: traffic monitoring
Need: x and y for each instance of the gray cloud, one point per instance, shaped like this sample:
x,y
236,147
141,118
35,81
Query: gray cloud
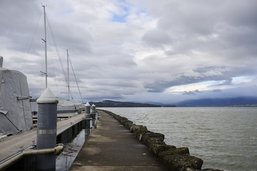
x,y
210,73
194,25
191,92
157,38
149,47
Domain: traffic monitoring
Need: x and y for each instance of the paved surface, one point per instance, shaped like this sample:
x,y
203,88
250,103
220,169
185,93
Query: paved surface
x,y
111,147
14,145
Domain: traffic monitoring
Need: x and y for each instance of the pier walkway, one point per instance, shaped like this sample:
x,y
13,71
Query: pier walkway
x,y
111,147
13,146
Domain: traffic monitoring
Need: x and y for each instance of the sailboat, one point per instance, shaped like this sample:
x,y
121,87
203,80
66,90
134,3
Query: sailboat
x,y
64,106
68,106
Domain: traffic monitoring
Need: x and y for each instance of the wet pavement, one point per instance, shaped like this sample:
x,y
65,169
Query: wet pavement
x,y
111,147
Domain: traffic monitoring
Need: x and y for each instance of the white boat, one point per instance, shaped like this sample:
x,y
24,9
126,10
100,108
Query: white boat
x,y
15,110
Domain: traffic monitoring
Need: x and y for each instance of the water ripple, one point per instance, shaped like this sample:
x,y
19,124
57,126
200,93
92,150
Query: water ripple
x,y
225,138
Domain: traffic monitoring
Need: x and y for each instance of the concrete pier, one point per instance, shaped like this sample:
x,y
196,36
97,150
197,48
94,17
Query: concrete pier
x,y
112,147
14,146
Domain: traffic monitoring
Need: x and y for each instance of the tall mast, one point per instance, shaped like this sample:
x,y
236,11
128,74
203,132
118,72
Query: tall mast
x,y
45,41
68,75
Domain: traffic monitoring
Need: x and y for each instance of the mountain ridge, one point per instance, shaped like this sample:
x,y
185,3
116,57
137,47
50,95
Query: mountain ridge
x,y
111,103
205,102
219,102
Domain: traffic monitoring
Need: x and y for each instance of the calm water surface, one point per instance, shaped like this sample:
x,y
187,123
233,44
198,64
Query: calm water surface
x,y
225,138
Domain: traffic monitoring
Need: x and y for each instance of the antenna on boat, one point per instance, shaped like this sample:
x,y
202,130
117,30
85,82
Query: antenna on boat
x,y
68,75
45,41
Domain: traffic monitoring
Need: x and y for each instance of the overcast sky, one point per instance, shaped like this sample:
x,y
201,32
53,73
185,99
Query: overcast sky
x,y
135,50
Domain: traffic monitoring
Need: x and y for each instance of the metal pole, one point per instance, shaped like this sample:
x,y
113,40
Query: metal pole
x,y
45,41
68,76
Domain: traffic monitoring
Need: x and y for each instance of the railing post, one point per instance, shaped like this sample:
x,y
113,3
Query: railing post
x,y
88,106
88,118
93,115
1,61
46,129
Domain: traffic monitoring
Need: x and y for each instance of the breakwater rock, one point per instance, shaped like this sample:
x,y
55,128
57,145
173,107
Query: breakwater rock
x,y
176,159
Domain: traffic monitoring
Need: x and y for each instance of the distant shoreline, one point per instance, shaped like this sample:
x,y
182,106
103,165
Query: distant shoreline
x,y
211,102
175,106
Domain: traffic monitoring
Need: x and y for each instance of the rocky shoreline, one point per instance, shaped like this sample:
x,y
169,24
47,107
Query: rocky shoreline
x,y
175,158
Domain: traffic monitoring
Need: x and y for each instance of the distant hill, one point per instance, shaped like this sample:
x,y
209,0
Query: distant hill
x,y
207,102
219,102
110,103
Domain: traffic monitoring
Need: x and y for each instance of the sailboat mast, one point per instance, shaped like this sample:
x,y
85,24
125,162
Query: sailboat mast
x,y
68,75
45,41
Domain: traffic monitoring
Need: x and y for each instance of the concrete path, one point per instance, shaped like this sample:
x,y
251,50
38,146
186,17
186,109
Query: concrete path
x,y
111,147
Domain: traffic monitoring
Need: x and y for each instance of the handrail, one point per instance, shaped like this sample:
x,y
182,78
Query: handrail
x,y
56,150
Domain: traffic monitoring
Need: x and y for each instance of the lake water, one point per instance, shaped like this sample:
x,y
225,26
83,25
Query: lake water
x,y
65,160
225,138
